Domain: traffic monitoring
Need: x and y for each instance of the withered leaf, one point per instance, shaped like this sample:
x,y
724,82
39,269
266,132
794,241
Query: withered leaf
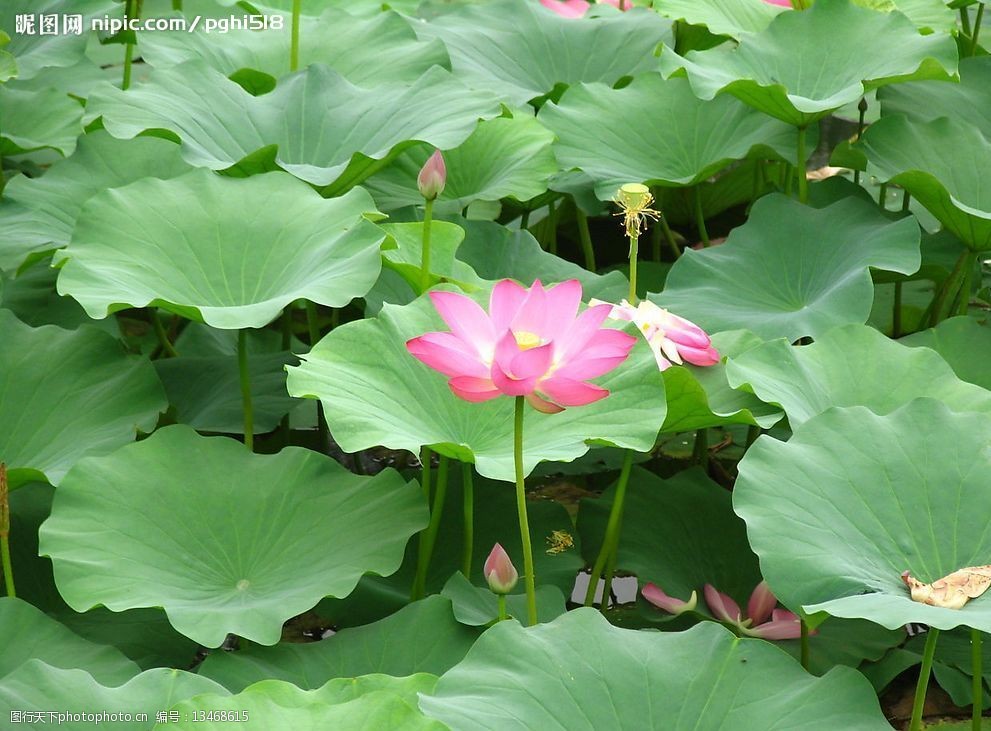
x,y
953,590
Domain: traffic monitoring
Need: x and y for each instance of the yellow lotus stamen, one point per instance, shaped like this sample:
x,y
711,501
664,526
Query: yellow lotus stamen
x,y
634,199
526,340
559,541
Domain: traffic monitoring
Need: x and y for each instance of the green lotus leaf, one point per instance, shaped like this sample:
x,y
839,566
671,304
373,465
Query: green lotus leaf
x,y
51,203
366,51
187,245
942,163
477,606
375,393
422,637
34,52
405,256
33,120
503,158
704,678
312,125
853,499
844,642
32,297
928,15
220,567
787,70
519,50
368,703
854,365
963,343
722,17
791,270
40,687
48,419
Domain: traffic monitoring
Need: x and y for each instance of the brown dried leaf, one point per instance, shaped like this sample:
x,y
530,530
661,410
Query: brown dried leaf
x,y
953,590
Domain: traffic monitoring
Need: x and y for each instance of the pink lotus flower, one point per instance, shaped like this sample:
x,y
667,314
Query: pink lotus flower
x,y
779,3
763,619
576,8
499,571
653,594
432,177
530,344
672,339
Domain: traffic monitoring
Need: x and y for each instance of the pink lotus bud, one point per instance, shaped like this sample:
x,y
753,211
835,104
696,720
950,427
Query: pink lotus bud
x,y
432,177
499,571
722,605
762,603
653,594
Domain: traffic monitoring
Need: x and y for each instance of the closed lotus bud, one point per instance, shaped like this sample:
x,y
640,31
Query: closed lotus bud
x,y
432,177
499,571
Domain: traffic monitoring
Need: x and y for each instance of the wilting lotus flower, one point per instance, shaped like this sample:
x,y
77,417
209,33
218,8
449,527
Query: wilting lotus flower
x,y
763,619
672,339
499,571
432,177
530,344
576,8
653,594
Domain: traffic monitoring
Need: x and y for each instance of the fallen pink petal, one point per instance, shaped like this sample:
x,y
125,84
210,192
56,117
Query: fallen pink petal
x,y
656,596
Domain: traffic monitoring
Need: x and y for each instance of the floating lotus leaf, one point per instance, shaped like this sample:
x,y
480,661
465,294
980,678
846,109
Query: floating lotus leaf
x,y
222,568
792,271
854,499
191,246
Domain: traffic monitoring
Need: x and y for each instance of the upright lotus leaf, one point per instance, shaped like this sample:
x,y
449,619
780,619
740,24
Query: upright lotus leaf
x,y
705,678
722,17
40,687
51,203
520,50
33,120
854,499
943,164
33,635
422,637
791,270
220,564
854,365
476,606
229,252
375,393
963,343
968,101
312,125
403,253
368,703
679,533
668,135
65,394
506,157
366,51
32,297
787,70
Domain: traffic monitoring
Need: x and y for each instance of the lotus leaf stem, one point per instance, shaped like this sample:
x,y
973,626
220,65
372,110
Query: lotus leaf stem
x,y
804,643
700,451
801,161
528,573
977,29
416,592
614,526
923,683
242,369
977,670
294,36
896,312
132,9
468,492
428,215
585,236
429,539
163,337
8,569
668,236
700,218
552,222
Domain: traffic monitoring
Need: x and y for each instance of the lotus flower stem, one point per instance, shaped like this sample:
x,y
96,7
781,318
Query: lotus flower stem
x,y
607,581
923,684
242,369
800,163
634,250
294,36
468,491
132,9
502,607
428,539
8,570
428,215
977,669
528,574
804,643
425,477
177,5
700,217
586,238
610,541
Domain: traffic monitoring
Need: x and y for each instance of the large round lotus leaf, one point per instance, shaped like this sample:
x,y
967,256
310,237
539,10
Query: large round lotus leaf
x,y
791,270
838,512
38,214
582,674
520,50
867,49
375,393
964,344
366,51
503,158
35,52
679,533
68,393
225,520
33,635
33,120
669,136
853,365
39,687
368,703
230,252
968,101
311,125
723,17
943,164
422,637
